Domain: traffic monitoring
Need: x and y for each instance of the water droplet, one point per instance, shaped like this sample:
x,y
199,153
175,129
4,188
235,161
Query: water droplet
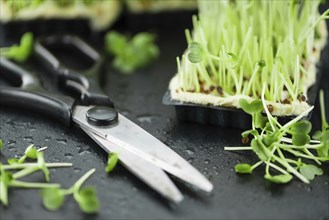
x,y
55,159
33,129
200,146
125,112
47,139
76,169
18,155
146,118
169,120
68,155
190,151
11,142
207,161
84,152
28,138
165,132
61,141
309,189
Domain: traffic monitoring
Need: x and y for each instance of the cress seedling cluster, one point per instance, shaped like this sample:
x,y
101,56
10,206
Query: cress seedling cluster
x,y
236,46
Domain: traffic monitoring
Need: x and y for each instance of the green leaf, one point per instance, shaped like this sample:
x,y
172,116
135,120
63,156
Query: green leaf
x,y
309,171
243,168
246,133
112,161
260,120
196,52
259,150
282,178
270,139
5,179
88,200
20,52
31,152
13,161
131,54
302,127
1,144
52,198
317,135
253,107
115,42
300,139
323,151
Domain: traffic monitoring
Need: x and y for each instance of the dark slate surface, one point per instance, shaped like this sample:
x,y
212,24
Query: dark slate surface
x,y
122,195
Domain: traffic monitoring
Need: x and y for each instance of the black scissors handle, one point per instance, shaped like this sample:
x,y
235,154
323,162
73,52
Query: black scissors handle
x,y
29,94
83,85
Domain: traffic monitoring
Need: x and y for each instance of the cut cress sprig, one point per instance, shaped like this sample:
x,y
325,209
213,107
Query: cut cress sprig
x,y
284,148
53,197
8,179
52,194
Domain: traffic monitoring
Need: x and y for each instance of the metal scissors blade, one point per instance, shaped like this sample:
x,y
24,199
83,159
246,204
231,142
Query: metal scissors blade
x,y
136,140
153,176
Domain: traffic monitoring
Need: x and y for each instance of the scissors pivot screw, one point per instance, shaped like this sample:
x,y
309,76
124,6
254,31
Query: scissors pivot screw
x,y
102,116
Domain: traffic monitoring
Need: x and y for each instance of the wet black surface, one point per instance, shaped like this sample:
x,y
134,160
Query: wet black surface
x,y
122,195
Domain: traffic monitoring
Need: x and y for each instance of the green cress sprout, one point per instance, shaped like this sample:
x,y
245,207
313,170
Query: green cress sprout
x,y
9,179
53,198
52,194
20,52
131,54
285,150
112,161
237,45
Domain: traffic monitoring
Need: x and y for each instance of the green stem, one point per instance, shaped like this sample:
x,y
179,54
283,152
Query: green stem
x,y
79,183
311,155
22,184
237,148
277,168
323,111
25,165
289,167
76,187
256,165
25,171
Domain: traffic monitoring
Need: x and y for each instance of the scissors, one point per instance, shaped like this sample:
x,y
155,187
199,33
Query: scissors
x,y
80,101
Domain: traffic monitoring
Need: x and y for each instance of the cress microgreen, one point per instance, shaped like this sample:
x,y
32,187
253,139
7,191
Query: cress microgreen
x,y
238,45
131,54
112,161
19,52
243,168
10,179
53,198
287,149
1,144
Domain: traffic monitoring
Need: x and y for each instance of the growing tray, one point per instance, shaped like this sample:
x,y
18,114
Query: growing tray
x,y
233,117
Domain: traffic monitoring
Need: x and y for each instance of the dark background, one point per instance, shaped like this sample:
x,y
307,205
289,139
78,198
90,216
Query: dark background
x,y
122,195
